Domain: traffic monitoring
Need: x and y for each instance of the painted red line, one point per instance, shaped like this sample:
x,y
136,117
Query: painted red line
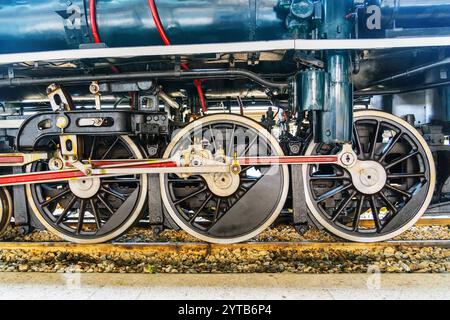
x,y
11,159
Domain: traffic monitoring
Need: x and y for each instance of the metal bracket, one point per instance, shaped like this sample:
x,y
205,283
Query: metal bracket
x,y
59,98
299,205
155,206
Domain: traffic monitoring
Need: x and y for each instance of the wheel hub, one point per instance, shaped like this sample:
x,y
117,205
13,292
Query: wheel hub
x,y
222,184
85,188
369,177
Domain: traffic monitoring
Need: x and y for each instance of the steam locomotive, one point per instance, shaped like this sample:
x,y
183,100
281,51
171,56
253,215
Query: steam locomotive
x,y
221,117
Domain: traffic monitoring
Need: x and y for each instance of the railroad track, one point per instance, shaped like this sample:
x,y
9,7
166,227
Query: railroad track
x,y
426,220
206,248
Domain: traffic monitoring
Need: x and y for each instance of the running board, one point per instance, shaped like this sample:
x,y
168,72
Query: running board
x,y
218,48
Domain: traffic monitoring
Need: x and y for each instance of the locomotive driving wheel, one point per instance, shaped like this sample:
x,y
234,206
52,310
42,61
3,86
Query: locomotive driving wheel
x,y
93,210
384,193
225,207
6,209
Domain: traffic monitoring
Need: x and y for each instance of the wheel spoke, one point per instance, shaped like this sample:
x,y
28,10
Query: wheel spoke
x,y
390,165
108,207
81,213
59,195
327,177
113,193
98,221
388,202
199,210
110,149
406,175
358,140
230,148
390,146
91,153
358,213
344,203
375,138
213,138
333,192
190,196
376,218
66,210
402,192
217,212
248,147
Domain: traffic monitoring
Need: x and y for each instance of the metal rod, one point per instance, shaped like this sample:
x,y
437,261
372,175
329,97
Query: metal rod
x,y
17,82
109,168
362,93
412,72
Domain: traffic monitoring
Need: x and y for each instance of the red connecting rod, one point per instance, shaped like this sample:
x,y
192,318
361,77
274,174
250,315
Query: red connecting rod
x,y
105,168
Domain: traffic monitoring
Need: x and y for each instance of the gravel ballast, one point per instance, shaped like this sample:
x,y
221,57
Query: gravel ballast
x,y
385,259
259,257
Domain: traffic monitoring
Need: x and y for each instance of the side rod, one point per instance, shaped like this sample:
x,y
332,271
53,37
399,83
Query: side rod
x,y
111,168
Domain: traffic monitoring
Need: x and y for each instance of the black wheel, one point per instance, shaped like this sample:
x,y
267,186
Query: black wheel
x,y
226,208
91,210
384,193
6,209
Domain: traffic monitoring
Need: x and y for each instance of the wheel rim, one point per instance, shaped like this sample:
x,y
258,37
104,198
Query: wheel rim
x,y
341,202
233,216
6,209
94,211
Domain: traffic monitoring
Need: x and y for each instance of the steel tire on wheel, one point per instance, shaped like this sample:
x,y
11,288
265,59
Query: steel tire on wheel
x,y
252,211
102,202
406,188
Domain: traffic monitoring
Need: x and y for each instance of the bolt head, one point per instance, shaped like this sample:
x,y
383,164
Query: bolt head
x,y
62,122
348,159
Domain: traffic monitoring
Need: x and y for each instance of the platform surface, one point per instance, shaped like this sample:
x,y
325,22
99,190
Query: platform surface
x,y
206,286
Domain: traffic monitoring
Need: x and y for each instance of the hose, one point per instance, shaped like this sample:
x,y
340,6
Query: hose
x,y
96,36
93,21
165,39
94,28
